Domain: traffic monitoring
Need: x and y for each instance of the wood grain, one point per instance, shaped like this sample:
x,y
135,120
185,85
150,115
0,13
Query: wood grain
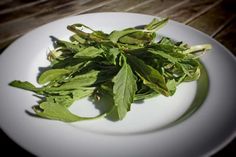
x,y
11,30
154,7
23,13
210,16
187,10
10,6
3,2
227,36
121,5
213,19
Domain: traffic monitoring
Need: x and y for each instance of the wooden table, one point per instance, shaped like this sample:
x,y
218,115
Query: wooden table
x,y
217,18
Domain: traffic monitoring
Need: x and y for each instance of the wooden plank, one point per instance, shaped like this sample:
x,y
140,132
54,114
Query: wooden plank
x,y
211,21
154,7
121,5
3,2
12,30
188,10
227,36
10,6
34,10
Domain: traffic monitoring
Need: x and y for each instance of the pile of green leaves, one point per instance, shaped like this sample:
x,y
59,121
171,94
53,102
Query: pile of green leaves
x,y
127,65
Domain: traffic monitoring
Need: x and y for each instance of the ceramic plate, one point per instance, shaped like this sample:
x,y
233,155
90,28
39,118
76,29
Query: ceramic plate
x,y
197,121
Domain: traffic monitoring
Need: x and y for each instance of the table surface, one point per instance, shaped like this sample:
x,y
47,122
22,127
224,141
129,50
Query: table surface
x,y
217,18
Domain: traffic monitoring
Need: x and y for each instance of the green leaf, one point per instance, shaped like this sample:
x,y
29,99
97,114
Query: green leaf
x,y
23,85
56,111
164,55
198,48
111,55
156,24
144,92
77,38
131,40
116,35
146,95
70,91
171,85
69,63
84,80
64,100
51,75
70,46
81,93
124,90
89,52
95,36
193,75
150,76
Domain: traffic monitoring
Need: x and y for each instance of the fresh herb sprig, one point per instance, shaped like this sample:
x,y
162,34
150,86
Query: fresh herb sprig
x,y
128,65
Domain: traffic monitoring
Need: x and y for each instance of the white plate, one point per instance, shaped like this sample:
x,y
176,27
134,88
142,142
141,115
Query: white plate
x,y
144,131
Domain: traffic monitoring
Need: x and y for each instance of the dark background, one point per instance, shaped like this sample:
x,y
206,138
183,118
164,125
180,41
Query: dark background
x,y
7,146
